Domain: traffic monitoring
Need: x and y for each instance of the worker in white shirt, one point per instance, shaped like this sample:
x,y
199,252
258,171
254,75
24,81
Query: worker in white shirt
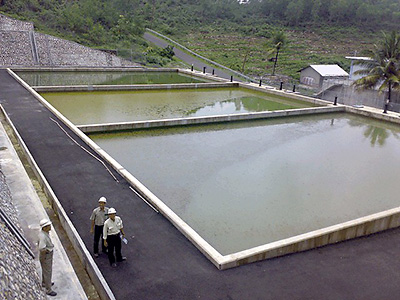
x,y
98,217
46,255
112,231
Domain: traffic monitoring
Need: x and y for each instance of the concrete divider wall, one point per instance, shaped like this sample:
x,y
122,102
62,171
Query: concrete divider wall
x,y
374,113
202,75
208,120
93,69
274,91
330,235
133,87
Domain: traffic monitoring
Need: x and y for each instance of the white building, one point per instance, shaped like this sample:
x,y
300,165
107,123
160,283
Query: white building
x,y
356,65
315,75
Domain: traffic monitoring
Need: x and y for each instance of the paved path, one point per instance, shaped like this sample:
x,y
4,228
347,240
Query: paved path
x,y
189,59
162,264
30,211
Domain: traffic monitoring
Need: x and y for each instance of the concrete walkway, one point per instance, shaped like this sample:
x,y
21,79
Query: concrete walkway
x,y
30,212
162,264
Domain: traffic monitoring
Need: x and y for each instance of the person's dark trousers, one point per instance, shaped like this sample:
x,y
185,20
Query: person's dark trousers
x,y
98,233
114,242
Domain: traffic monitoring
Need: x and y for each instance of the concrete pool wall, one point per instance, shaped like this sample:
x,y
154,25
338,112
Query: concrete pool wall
x,y
213,81
340,232
134,87
207,120
95,84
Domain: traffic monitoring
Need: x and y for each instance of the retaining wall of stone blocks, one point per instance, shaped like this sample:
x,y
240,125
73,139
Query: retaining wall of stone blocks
x,y
18,42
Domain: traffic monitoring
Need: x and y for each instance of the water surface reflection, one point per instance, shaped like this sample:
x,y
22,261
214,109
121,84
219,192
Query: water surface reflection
x,y
241,185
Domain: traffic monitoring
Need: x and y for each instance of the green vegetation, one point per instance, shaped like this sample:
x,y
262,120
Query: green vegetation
x,y
238,36
279,40
384,69
99,24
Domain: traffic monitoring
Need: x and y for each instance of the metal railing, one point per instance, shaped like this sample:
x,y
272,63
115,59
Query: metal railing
x,y
14,230
202,57
347,94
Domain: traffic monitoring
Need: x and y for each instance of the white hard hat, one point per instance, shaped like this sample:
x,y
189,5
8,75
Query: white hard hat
x,y
103,199
112,211
44,223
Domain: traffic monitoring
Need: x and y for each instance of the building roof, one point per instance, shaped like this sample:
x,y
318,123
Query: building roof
x,y
329,70
359,58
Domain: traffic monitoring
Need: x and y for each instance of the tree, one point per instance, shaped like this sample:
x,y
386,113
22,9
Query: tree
x,y
383,71
294,12
279,40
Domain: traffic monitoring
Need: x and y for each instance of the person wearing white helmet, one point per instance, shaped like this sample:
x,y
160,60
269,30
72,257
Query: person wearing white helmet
x,y
46,255
112,231
98,217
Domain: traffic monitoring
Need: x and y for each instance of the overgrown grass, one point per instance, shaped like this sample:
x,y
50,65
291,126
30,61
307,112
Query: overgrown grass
x,y
247,50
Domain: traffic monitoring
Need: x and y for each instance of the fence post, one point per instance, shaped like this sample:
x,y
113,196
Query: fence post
x,y
386,106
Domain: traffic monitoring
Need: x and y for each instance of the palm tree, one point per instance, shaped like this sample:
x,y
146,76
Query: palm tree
x,y
279,40
383,71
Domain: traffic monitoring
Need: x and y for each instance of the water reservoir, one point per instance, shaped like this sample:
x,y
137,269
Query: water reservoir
x,y
241,185
65,78
84,108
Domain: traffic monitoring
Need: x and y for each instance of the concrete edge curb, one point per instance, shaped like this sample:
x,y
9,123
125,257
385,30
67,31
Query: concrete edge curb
x,y
93,128
291,95
133,87
84,69
96,276
202,75
329,235
373,113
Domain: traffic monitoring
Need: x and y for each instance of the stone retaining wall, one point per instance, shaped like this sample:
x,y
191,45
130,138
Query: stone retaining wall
x,y
7,23
15,48
18,276
54,51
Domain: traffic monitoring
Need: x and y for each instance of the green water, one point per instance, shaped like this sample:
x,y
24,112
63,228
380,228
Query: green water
x,y
41,78
241,185
124,106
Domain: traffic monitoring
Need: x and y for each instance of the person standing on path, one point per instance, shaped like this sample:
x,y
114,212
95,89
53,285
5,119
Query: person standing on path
x,y
112,231
98,217
46,255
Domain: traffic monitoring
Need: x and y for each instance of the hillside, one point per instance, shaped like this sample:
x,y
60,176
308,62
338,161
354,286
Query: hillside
x,y
249,53
238,36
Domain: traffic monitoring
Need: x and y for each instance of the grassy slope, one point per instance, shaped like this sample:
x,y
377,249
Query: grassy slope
x,y
317,45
